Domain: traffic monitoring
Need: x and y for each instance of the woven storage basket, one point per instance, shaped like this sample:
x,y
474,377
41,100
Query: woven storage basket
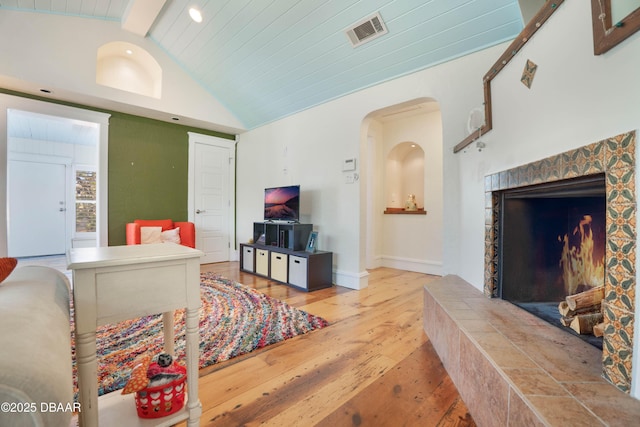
x,y
162,400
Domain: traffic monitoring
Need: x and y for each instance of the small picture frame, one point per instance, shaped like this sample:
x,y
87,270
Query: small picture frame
x,y
312,242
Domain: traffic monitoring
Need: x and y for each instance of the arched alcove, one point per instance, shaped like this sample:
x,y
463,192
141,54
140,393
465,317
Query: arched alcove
x,y
402,153
404,176
128,67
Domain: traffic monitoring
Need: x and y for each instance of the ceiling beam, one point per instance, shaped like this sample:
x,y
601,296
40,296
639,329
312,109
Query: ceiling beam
x,y
140,15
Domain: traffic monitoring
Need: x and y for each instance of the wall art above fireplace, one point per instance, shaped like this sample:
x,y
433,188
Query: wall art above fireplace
x,y
615,158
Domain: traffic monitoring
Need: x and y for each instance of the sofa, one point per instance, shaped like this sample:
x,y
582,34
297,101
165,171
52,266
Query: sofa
x,y
36,386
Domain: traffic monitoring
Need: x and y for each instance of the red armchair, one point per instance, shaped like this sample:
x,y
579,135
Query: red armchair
x,y
187,230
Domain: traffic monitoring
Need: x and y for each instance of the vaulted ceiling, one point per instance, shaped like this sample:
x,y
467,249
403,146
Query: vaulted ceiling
x,y
267,59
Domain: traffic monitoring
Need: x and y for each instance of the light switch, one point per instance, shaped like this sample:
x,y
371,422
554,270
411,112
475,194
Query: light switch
x,y
349,164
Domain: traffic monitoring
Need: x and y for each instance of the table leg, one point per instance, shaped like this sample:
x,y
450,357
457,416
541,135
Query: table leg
x,y
192,339
167,327
87,379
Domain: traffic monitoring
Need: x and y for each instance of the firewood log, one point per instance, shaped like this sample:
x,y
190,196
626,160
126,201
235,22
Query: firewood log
x,y
563,309
598,330
566,320
568,314
584,323
587,298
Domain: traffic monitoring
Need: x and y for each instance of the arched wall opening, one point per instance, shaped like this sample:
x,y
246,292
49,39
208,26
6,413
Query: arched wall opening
x,y
129,67
404,177
391,167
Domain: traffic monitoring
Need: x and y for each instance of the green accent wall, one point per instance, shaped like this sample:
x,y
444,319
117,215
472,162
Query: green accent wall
x,y
148,171
148,168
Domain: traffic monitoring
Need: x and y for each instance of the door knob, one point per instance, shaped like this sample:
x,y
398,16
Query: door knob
x,y
199,211
62,209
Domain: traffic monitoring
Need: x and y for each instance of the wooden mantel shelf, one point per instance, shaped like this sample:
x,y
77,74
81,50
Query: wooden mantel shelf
x,y
402,211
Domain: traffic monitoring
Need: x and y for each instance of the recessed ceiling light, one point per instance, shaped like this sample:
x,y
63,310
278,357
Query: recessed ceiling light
x,y
129,52
195,14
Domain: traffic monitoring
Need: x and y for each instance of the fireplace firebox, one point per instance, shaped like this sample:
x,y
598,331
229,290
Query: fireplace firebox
x,y
552,245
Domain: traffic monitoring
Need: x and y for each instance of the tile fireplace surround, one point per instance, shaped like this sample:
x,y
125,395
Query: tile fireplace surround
x,y
513,368
615,157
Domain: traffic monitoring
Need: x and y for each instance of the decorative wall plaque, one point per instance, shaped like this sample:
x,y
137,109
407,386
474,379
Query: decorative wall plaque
x,y
528,73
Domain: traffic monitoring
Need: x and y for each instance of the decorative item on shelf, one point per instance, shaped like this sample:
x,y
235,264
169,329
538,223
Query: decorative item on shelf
x,y
411,203
159,386
262,239
312,242
528,73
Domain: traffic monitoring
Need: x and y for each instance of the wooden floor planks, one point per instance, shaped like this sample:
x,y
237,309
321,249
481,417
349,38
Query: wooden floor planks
x,y
373,366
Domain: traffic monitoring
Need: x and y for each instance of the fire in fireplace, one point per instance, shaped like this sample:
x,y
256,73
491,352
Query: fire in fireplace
x,y
580,268
552,249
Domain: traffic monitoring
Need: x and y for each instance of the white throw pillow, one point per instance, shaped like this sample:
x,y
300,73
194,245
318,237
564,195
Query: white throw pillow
x,y
172,236
150,235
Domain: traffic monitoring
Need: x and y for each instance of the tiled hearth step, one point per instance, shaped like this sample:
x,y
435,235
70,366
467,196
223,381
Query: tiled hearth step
x,y
514,369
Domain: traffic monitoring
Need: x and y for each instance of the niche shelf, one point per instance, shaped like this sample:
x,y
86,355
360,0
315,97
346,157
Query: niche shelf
x,y
402,211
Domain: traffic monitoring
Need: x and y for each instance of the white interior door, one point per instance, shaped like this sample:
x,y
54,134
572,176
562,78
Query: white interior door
x,y
212,202
37,208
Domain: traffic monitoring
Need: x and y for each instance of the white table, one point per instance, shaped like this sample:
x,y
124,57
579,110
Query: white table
x,y
116,283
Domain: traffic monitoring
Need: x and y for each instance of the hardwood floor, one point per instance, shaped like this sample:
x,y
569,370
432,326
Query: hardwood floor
x,y
373,366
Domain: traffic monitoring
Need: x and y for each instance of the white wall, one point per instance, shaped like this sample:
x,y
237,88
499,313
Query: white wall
x,y
529,8
311,146
304,150
372,183
413,175
34,59
576,98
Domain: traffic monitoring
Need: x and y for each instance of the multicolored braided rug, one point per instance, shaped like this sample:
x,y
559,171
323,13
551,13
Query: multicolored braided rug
x,y
234,320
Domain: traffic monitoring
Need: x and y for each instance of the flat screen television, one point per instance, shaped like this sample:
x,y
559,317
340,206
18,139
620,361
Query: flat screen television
x,y
282,203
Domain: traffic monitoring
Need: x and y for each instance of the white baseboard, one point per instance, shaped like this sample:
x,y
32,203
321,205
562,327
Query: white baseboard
x,y
419,266
83,243
351,280
375,263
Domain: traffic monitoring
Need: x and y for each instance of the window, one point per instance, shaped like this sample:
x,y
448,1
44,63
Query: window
x,y
85,201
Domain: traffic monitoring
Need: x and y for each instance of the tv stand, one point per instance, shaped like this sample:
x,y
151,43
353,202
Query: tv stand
x,y
279,255
285,235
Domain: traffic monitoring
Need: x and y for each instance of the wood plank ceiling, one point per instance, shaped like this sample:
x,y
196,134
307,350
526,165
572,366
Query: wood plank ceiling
x,y
267,59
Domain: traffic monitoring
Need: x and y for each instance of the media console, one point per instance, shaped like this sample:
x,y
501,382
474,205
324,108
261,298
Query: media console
x,y
279,255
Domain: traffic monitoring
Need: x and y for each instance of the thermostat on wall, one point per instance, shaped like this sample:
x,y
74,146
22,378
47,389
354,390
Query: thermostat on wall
x,y
349,164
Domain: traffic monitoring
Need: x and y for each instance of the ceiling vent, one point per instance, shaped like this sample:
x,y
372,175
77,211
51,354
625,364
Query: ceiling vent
x,y
366,30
